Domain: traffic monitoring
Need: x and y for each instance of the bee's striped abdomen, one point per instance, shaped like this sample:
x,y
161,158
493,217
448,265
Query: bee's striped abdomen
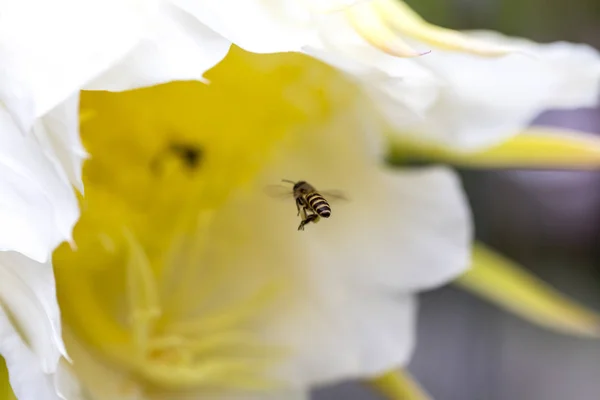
x,y
318,204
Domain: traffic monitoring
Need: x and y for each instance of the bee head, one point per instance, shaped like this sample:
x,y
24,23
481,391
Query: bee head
x,y
302,187
299,184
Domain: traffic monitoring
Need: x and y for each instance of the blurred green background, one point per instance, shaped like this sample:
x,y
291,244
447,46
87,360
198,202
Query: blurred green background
x,y
576,20
549,221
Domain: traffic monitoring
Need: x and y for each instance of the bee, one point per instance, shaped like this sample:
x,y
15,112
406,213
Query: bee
x,y
311,204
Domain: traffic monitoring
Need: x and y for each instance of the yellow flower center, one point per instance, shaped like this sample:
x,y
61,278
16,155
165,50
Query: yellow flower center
x,y
144,287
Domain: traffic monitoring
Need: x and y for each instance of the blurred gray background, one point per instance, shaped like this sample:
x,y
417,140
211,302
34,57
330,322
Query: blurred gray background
x,y
549,221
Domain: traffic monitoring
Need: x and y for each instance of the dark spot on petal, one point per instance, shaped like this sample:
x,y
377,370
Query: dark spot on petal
x,y
189,154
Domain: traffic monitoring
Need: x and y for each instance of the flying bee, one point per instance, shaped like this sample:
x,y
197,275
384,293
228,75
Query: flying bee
x,y
311,204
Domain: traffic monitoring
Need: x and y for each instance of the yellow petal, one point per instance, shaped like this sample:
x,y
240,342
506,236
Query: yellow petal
x,y
398,385
86,115
537,147
6,392
504,283
399,16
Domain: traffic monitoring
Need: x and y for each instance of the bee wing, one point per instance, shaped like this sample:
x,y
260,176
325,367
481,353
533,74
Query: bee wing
x,y
278,191
334,195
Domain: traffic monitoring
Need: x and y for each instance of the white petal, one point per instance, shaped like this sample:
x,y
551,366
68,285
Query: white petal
x,y
484,101
66,383
576,67
38,207
398,85
348,309
416,236
29,295
345,333
27,379
58,134
50,49
30,332
256,26
177,47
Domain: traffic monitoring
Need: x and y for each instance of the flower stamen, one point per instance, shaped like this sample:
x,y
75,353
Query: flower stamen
x,y
383,22
223,319
369,24
143,299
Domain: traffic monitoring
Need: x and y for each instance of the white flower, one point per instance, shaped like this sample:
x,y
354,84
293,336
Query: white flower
x,y
356,299
189,278
454,96
38,211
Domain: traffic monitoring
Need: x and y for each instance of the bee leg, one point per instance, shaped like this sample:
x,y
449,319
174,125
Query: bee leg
x,y
302,223
299,206
302,211
313,218
309,218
